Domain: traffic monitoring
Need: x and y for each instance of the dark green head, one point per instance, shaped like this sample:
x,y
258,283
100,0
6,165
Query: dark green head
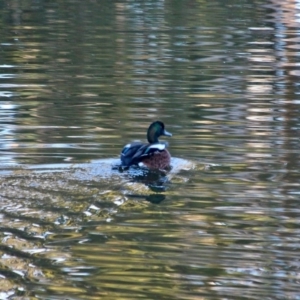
x,y
155,130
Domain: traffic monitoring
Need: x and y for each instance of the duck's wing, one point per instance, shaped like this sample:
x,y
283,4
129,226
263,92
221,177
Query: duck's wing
x,y
130,152
148,150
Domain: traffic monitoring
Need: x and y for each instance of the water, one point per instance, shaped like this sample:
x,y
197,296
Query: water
x,y
79,80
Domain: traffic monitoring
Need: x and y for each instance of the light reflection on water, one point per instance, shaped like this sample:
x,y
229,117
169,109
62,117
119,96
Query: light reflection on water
x,y
79,80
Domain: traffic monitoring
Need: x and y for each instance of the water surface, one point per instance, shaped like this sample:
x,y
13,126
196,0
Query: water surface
x,y
78,80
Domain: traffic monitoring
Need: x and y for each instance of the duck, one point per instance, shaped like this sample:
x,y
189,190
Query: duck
x,y
153,155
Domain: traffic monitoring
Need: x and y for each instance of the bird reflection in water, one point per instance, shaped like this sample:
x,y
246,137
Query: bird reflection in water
x,y
156,180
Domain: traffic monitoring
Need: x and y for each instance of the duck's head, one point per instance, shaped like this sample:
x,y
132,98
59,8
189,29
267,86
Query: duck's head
x,y
155,130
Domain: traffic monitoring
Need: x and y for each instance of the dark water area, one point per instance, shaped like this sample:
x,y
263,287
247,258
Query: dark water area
x,y
80,79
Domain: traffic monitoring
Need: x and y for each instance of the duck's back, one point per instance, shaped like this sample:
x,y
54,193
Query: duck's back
x,y
131,153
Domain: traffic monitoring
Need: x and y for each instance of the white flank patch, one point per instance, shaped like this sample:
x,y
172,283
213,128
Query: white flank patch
x,y
159,147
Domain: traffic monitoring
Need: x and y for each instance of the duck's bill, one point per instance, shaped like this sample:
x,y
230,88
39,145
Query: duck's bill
x,y
167,133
